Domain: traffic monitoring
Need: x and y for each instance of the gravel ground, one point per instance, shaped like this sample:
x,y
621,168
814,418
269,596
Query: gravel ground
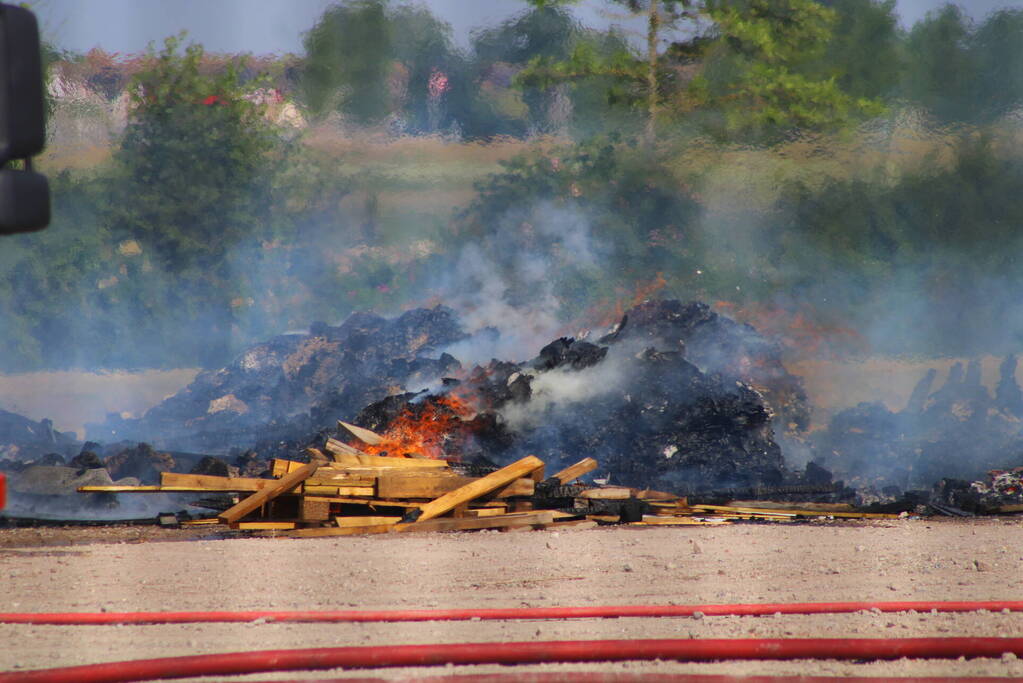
x,y
144,568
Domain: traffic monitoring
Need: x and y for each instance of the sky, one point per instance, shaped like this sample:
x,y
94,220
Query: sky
x,y
276,26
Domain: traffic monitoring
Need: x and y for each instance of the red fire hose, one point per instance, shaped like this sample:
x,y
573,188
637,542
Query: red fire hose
x,y
608,611
237,663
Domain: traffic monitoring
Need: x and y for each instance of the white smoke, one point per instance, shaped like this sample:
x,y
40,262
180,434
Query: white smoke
x,y
562,388
484,282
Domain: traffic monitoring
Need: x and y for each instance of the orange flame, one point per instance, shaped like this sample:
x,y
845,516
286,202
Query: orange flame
x,y
424,428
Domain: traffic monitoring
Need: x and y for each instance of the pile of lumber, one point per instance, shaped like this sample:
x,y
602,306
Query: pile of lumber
x,y
353,493
344,491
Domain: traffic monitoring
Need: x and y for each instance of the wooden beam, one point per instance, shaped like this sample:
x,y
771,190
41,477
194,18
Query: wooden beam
x,y
608,493
574,524
651,520
319,479
340,448
124,489
316,454
367,436
313,510
351,491
207,482
279,467
403,484
264,525
286,483
368,520
360,459
486,512
370,502
651,495
342,531
573,472
201,522
480,487
793,512
494,522
344,476
157,489
780,505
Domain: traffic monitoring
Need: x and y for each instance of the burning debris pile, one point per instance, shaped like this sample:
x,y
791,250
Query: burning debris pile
x,y
665,400
283,388
958,431
674,396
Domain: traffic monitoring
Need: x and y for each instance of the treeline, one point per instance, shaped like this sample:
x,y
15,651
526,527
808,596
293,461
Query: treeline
x,y
741,151
731,68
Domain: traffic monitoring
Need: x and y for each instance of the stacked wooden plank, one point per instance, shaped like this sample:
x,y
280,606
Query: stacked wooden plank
x,y
352,492
343,491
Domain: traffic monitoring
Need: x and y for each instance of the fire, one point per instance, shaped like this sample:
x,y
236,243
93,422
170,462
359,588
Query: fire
x,y
425,428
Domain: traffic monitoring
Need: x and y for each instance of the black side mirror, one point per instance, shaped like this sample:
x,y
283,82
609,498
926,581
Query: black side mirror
x,y
24,194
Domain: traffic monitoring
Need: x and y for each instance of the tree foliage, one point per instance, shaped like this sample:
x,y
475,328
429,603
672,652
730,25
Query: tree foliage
x,y
758,76
960,72
544,34
763,67
373,60
194,149
864,53
348,63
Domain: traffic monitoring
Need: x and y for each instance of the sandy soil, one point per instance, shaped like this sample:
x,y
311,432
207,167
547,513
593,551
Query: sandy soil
x,y
128,569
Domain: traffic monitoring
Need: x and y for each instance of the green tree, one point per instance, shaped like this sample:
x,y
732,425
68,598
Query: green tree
x,y
195,147
941,66
660,15
190,181
424,48
348,61
607,60
543,35
962,72
603,76
763,66
758,73
864,53
370,59
997,47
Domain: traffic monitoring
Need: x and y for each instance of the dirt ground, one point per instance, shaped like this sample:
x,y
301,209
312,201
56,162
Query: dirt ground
x,y
146,568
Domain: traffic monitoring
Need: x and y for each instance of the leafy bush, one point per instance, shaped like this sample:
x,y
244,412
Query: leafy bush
x,y
191,161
